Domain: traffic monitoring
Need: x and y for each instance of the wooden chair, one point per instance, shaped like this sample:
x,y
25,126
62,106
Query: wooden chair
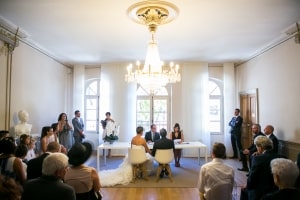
x,y
137,156
164,157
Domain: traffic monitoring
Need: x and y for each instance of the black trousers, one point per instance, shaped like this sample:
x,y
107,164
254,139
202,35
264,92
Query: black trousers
x,y
236,143
243,159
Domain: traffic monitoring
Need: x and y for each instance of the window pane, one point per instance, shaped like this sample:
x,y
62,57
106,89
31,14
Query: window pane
x,y
90,125
214,109
143,113
143,106
213,88
162,92
91,104
214,126
152,110
92,88
91,115
160,115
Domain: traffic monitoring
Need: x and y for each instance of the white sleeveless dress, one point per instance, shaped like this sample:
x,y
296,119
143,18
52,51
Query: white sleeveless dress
x,y
123,174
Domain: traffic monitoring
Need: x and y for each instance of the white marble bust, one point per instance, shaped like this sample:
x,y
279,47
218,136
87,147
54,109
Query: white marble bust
x,y
23,127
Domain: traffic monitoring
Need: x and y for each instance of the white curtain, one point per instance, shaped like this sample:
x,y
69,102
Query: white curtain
x,y
229,103
194,104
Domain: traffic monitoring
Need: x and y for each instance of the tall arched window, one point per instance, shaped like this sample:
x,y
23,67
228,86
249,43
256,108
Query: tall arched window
x,y
215,106
152,109
91,106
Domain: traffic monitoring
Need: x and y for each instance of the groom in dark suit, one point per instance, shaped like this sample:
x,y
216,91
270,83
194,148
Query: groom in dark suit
x,y
163,143
152,135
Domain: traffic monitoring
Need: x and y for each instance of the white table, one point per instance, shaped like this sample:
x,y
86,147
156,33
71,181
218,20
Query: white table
x,y
126,145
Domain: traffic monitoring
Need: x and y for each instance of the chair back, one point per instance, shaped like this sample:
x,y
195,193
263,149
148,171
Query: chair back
x,y
137,155
220,191
164,156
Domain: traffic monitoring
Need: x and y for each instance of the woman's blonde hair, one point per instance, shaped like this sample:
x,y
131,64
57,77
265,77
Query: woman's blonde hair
x,y
264,142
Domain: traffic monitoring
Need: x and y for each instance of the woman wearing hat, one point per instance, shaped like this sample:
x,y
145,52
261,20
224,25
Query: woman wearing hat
x,y
83,179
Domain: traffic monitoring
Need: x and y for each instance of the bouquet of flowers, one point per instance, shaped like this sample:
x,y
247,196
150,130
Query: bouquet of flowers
x,y
111,132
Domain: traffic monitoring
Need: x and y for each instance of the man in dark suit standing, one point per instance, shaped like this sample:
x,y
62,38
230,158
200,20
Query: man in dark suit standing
x,y
236,132
152,135
163,143
34,166
78,127
256,131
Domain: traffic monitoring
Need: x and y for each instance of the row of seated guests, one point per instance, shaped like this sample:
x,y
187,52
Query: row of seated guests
x,y
268,173
252,150
270,177
46,173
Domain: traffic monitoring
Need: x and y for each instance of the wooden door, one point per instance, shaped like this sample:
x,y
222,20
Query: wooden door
x,y
249,112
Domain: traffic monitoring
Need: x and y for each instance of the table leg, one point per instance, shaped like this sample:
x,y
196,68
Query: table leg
x,y
98,160
199,155
205,149
104,156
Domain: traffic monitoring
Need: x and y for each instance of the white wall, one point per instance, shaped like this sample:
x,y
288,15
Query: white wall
x,y
191,108
39,86
276,75
119,98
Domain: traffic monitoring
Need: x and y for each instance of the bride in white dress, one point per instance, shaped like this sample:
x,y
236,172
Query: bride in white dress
x,y
123,174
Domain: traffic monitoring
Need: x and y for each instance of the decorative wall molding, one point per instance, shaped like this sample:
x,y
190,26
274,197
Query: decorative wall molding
x,y
9,38
290,149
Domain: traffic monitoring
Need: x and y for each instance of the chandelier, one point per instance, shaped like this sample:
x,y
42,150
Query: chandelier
x,y
153,76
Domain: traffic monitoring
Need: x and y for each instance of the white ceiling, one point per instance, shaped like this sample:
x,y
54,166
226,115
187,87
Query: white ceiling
x,y
99,31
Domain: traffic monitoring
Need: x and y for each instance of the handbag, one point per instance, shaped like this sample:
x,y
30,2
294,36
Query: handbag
x,y
95,195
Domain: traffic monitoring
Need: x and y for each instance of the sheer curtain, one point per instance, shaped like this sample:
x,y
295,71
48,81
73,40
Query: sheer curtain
x,y
229,102
194,104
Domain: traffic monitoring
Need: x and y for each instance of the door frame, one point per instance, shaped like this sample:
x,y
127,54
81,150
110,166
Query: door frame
x,y
248,115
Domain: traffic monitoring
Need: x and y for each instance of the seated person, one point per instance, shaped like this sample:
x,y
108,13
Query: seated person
x,y
216,178
298,165
138,140
9,189
152,135
85,180
251,149
163,143
50,185
10,165
260,180
20,153
285,173
34,166
3,134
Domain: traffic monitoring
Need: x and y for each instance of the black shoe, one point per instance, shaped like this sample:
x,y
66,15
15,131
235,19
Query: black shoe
x,y
162,173
243,169
247,174
166,173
